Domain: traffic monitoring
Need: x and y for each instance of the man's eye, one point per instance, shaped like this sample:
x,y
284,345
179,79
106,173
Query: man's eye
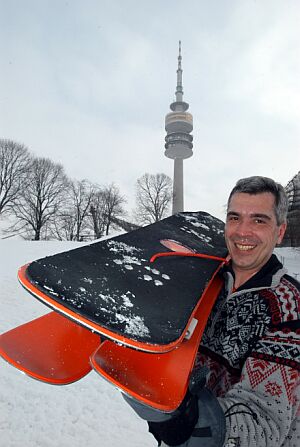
x,y
259,221
232,218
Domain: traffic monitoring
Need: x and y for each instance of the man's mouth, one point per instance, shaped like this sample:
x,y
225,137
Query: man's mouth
x,y
243,247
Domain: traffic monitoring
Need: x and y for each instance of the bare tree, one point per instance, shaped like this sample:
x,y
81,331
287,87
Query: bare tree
x,y
14,163
114,202
153,197
63,226
97,214
72,222
42,198
106,209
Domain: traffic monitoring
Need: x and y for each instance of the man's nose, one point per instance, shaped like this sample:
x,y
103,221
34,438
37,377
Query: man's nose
x,y
244,228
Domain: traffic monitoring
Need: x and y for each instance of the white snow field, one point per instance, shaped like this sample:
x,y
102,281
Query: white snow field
x,y
88,413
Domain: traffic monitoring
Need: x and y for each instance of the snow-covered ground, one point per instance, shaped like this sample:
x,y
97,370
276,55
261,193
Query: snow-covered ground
x,y
290,258
90,412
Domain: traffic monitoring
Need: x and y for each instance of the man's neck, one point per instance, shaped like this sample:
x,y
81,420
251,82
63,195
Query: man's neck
x,y
261,278
241,277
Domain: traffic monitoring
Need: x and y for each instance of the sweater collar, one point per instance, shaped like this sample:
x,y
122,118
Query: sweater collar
x,y
269,275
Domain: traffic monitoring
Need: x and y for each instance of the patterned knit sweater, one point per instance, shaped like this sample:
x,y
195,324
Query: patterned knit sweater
x,y
251,346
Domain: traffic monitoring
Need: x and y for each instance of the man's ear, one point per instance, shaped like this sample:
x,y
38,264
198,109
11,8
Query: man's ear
x,y
281,231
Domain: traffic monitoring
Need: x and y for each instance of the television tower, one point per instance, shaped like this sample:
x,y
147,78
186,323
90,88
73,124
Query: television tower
x,y
178,146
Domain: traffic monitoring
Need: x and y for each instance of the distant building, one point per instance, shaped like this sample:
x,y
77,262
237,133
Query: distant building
x,y
292,236
179,125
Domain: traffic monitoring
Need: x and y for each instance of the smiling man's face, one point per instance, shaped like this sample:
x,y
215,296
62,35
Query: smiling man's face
x,y
251,231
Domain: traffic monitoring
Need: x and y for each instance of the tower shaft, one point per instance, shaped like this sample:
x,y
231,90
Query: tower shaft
x,y
178,200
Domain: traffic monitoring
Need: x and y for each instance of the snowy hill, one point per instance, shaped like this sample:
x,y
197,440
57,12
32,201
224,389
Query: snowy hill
x,y
87,413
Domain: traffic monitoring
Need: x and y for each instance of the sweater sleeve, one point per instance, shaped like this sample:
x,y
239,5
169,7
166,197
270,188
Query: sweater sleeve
x,y
262,409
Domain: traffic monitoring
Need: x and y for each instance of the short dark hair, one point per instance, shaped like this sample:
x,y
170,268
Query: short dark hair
x,y
259,185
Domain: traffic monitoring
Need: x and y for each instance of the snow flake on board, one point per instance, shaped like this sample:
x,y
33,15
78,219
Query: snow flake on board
x,y
208,226
125,254
147,278
202,237
217,230
154,271
119,310
194,221
106,298
50,290
121,247
127,261
158,283
134,325
126,299
88,280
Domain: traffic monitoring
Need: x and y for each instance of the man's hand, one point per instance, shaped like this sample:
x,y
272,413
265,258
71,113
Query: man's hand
x,y
198,421
179,428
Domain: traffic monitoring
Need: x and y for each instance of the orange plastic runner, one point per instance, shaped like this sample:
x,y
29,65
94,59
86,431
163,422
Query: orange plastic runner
x,y
50,348
158,380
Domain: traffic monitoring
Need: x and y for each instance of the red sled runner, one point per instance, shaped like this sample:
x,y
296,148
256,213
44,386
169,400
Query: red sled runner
x,y
122,307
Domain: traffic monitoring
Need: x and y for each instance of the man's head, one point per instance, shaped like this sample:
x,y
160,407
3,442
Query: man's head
x,y
258,185
256,222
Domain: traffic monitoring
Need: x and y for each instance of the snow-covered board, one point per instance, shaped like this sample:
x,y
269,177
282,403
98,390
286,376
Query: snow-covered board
x,y
112,288
50,348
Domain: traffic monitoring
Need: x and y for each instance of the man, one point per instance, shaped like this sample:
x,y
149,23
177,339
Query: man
x,y
250,348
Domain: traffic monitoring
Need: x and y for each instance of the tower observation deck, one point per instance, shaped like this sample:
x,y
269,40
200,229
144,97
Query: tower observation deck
x,y
178,141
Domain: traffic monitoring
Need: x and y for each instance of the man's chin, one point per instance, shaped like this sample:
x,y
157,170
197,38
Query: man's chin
x,y
243,257
243,262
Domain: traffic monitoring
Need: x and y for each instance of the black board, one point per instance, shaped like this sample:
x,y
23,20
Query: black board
x,y
113,284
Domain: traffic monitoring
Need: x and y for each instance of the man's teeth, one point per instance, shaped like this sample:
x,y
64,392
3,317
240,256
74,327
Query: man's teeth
x,y
245,247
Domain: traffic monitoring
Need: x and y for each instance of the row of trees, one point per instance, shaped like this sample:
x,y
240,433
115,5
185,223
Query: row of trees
x,y
43,203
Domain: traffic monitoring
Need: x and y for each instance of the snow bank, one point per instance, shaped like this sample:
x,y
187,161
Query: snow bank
x,y
87,413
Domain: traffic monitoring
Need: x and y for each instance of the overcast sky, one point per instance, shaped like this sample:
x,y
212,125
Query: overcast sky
x,y
88,83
